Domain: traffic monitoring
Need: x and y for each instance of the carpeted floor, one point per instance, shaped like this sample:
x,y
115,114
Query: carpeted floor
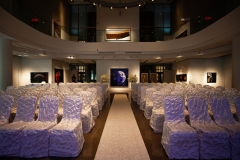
x,y
121,138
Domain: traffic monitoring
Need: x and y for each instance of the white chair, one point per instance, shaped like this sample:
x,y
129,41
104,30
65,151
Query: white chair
x,y
231,94
143,97
237,105
76,90
99,97
157,117
139,93
213,140
66,138
16,95
94,103
224,118
179,140
2,93
35,137
86,115
149,102
10,134
6,103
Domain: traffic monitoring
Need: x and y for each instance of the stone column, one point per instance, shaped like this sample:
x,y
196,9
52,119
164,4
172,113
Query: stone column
x,y
5,63
236,63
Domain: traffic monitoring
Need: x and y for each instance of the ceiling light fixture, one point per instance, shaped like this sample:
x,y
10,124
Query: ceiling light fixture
x,y
119,5
71,57
179,56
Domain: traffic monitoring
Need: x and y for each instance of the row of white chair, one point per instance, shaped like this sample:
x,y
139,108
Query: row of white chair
x,y
25,137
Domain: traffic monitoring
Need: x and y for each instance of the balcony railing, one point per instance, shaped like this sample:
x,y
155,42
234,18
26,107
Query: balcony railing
x,y
91,34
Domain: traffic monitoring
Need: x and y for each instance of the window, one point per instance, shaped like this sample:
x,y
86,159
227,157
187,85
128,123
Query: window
x,y
160,68
82,69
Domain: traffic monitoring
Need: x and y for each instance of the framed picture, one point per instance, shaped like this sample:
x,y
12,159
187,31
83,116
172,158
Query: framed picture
x,y
153,77
59,76
181,77
38,77
118,34
144,77
211,77
119,77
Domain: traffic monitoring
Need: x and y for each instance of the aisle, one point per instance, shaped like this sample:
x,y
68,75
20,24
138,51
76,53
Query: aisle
x,y
121,138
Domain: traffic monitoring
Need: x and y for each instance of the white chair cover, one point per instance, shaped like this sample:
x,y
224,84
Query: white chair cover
x,y
157,118
6,103
99,97
16,94
94,103
213,140
231,94
35,137
76,90
149,102
139,93
143,97
10,134
224,118
86,116
179,140
237,105
85,87
66,138
2,93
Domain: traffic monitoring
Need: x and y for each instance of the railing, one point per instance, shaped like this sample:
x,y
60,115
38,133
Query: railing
x,y
90,34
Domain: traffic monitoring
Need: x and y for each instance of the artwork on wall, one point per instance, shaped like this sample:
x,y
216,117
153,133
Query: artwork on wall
x,y
38,77
144,77
118,77
59,76
181,77
211,77
153,77
118,34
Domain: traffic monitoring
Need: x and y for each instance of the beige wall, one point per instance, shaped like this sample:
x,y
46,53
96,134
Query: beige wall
x,y
196,70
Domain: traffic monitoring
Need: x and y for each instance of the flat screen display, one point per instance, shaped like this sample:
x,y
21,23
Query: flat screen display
x,y
38,77
119,77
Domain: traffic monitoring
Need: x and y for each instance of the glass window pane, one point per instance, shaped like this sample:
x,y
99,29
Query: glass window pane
x,y
74,18
167,16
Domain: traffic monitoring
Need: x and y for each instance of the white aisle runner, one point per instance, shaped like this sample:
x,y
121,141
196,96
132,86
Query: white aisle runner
x,y
121,138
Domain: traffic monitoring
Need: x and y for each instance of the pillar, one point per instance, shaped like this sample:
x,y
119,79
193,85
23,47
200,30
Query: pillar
x,y
236,63
5,63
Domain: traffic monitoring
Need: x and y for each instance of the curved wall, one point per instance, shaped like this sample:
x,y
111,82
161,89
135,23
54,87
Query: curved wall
x,y
226,28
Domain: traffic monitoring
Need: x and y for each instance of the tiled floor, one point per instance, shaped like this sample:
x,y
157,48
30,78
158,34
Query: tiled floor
x,y
152,140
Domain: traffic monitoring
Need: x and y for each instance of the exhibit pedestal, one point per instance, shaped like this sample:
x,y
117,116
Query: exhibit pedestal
x,y
127,91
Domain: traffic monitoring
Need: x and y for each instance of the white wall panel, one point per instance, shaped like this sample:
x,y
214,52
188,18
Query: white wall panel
x,y
34,65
